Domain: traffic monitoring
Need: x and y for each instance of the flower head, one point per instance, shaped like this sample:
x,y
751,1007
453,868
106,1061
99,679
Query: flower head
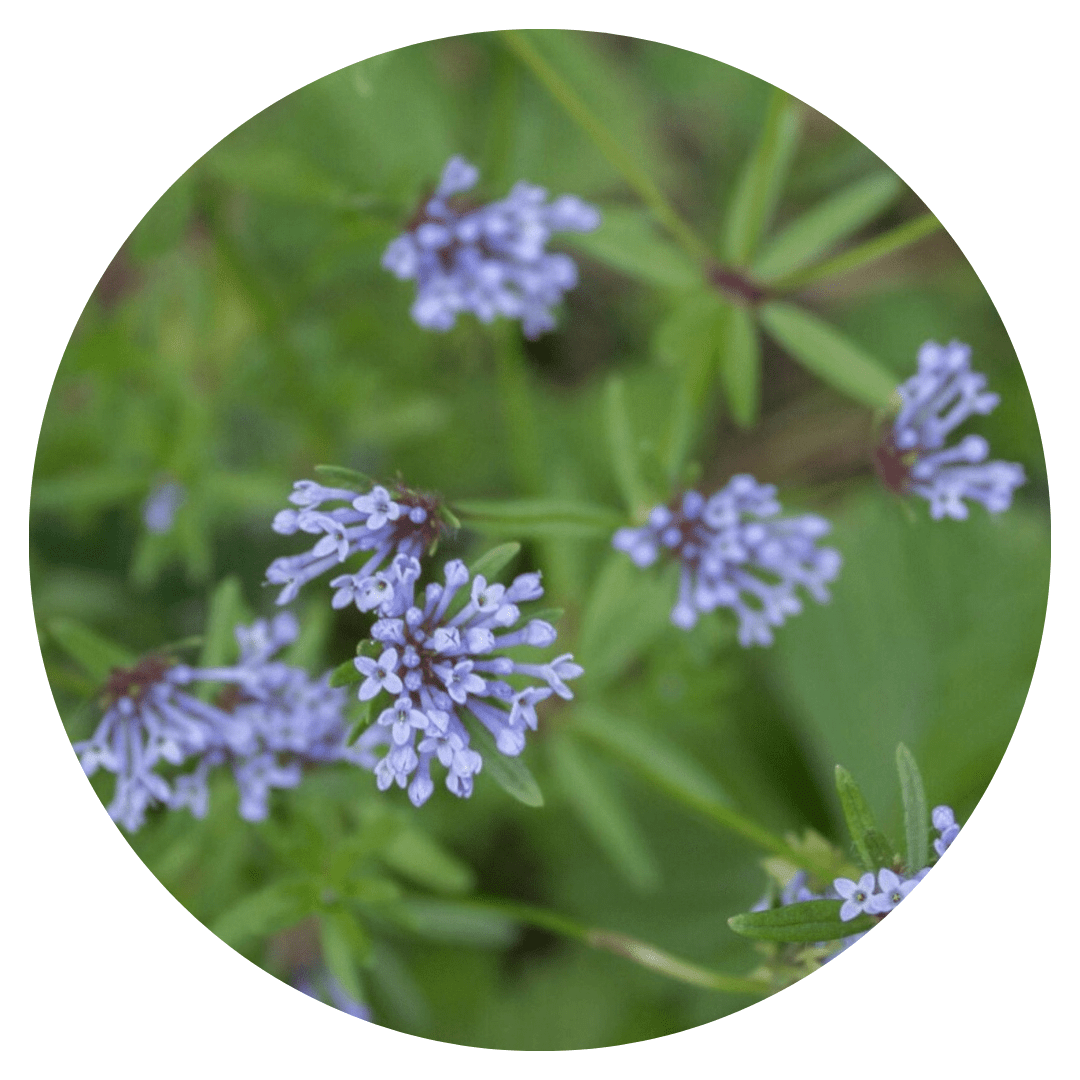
x,y
944,821
858,896
268,721
913,456
445,659
736,552
380,522
489,259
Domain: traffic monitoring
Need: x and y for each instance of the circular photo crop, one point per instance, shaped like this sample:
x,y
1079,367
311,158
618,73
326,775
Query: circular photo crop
x,y
539,540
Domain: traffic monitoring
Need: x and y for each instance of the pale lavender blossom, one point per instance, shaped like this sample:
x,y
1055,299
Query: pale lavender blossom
x,y
159,510
487,259
439,666
892,888
267,720
857,896
736,551
914,457
381,522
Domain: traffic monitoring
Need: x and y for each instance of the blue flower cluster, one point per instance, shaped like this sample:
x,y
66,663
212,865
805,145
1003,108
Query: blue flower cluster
x,y
489,260
914,458
405,523
268,721
874,893
736,552
436,661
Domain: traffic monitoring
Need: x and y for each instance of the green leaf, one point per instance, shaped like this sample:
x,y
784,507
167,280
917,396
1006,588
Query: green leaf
x,y
653,757
823,350
267,911
758,188
626,611
624,449
420,858
346,946
492,562
873,849
916,811
345,478
510,773
345,674
822,227
224,612
689,340
740,366
361,720
861,255
605,815
374,891
87,490
275,172
812,920
627,241
96,655
456,923
539,517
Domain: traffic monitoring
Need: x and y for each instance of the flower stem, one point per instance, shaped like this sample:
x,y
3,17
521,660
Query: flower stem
x,y
630,948
608,145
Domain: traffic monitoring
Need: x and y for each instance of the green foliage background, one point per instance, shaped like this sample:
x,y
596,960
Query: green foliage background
x,y
246,332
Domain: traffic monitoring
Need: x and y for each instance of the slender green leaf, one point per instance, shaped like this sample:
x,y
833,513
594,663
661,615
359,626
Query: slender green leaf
x,y
626,611
492,562
873,849
539,517
89,490
627,241
624,450
224,612
758,188
370,890
510,773
823,350
740,366
822,227
361,720
813,920
275,172
418,857
346,946
604,814
345,478
267,911
863,254
916,811
95,654
689,340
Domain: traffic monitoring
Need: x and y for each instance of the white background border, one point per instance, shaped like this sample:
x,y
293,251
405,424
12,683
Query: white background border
x,y
107,103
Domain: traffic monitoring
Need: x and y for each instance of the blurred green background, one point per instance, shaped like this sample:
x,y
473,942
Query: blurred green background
x,y
246,332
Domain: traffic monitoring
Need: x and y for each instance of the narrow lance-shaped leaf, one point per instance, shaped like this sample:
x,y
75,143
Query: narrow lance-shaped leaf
x,y
823,226
823,350
761,181
266,911
916,811
510,773
95,654
539,517
623,448
740,366
346,946
421,859
604,814
813,920
224,611
873,849
627,241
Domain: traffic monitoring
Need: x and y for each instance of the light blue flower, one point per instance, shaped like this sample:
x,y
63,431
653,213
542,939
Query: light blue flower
x,y
857,896
489,260
159,510
892,888
945,822
914,458
735,551
380,675
449,663
405,523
